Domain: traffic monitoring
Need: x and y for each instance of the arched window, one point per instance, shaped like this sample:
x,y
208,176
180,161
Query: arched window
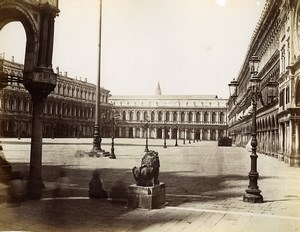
x,y
167,116
182,116
138,116
159,116
198,117
190,117
130,116
175,117
146,116
152,116
213,117
205,117
222,118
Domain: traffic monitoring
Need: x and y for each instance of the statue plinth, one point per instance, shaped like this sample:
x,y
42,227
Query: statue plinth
x,y
147,197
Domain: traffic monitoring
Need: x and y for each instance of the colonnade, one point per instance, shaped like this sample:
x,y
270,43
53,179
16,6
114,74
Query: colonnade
x,y
174,116
170,133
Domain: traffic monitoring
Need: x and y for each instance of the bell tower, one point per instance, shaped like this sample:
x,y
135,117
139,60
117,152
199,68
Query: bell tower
x,y
158,90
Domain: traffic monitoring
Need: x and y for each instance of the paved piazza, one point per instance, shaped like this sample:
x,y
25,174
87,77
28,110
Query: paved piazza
x,y
204,183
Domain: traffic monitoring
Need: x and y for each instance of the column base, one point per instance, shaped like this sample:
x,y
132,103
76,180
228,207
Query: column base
x,y
293,161
34,189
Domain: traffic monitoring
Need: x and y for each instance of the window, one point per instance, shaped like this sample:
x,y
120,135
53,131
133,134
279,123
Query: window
x,y
281,98
287,95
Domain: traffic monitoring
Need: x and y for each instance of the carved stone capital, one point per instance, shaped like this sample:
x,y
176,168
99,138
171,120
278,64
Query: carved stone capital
x,y
40,82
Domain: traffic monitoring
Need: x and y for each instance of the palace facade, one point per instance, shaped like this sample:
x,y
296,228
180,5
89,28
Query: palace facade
x,y
69,110
276,41
191,117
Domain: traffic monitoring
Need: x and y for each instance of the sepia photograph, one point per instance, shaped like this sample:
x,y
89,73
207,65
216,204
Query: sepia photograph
x,y
150,115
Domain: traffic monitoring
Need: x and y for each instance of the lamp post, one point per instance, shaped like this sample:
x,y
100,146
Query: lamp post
x,y
97,138
176,144
252,194
146,127
183,136
113,122
165,135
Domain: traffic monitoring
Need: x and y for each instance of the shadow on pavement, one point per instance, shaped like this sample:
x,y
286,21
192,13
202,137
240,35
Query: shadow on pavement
x,y
181,187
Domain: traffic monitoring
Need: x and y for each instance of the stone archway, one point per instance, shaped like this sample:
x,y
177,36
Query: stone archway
x,y
37,18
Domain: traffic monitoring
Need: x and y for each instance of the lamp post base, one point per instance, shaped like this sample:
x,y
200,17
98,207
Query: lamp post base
x,y
112,156
253,198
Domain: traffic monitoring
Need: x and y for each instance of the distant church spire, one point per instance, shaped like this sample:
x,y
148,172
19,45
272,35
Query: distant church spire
x,y
158,90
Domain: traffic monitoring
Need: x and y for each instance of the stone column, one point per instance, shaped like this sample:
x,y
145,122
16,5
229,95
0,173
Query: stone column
x,y
217,135
156,116
201,118
178,117
276,144
297,144
208,135
186,117
194,116
134,132
39,83
171,116
294,156
141,132
155,132
164,116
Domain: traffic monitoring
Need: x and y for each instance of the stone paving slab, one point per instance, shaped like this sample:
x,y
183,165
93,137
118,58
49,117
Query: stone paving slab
x,y
204,185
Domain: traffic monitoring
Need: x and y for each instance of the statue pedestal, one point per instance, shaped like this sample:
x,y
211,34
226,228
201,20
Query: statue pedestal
x,y
149,197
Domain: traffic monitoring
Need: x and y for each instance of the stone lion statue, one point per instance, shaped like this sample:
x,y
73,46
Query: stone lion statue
x,y
148,171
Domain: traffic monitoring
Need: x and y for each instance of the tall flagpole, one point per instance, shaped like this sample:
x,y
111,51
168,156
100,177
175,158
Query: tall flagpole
x,y
97,137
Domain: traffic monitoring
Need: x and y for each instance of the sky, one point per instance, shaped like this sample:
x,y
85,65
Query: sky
x,y
191,47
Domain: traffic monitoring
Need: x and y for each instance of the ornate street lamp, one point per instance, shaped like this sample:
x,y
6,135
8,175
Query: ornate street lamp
x,y
165,135
146,127
113,122
176,144
253,193
233,89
